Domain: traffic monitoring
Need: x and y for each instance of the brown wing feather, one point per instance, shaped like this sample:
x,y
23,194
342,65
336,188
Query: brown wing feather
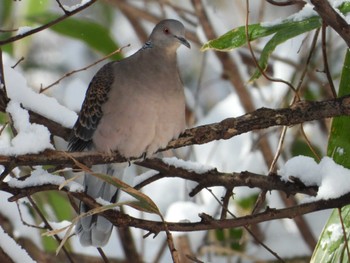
x,y
91,110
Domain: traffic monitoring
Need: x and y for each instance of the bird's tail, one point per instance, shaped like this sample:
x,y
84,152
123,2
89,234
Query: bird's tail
x,y
96,230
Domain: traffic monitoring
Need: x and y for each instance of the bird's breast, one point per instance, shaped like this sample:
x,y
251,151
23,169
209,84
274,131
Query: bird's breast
x,y
140,121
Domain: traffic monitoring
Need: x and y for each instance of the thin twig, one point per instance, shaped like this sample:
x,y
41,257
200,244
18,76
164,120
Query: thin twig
x,y
62,7
8,30
308,60
344,232
19,61
48,226
325,60
262,71
279,149
82,69
333,19
103,255
247,229
309,143
24,222
41,28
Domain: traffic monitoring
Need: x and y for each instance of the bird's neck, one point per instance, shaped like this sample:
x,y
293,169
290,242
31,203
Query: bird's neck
x,y
166,56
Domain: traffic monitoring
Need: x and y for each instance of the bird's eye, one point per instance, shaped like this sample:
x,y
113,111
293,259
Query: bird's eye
x,y
166,30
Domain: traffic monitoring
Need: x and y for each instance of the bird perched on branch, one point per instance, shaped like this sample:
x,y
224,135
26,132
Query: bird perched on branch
x,y
135,107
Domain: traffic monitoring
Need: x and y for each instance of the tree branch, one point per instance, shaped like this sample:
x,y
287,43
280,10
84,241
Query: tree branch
x,y
208,179
262,118
207,222
41,28
333,19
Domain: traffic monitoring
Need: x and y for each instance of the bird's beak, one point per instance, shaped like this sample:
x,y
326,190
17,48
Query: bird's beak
x,y
183,41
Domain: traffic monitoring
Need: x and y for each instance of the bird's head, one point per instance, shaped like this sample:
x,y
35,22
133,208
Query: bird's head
x,y
169,34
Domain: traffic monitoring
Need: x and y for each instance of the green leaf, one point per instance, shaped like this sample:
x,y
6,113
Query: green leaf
x,y
60,205
237,37
331,247
52,205
232,236
339,143
93,34
35,7
288,31
248,202
5,12
283,31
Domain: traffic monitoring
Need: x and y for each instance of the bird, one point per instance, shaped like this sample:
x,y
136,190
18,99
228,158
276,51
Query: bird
x,y
134,106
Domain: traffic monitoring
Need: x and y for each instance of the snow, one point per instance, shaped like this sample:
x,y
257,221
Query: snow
x,y
307,12
188,165
336,233
144,176
12,249
41,177
340,150
331,178
73,7
30,138
214,97
9,210
24,29
185,211
18,90
304,13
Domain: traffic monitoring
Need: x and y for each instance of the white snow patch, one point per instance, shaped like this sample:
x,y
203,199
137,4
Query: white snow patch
x,y
143,177
331,178
31,138
12,249
41,177
336,233
340,151
185,211
303,14
74,7
23,29
188,165
18,90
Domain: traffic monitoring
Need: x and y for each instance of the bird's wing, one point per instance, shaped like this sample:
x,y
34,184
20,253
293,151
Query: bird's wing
x,y
91,110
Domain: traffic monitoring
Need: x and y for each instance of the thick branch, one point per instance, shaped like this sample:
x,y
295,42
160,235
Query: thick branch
x,y
206,223
207,179
333,19
227,180
263,118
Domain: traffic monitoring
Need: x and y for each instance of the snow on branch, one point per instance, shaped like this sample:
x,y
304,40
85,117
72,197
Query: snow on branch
x,y
299,112
205,222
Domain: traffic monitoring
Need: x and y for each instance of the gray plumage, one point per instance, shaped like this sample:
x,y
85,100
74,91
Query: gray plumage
x,y
135,107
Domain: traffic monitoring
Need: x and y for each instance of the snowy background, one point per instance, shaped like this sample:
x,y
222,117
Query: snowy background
x,y
210,98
